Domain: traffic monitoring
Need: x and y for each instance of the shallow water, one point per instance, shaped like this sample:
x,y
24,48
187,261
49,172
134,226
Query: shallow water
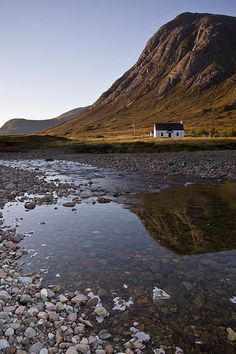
x,y
181,240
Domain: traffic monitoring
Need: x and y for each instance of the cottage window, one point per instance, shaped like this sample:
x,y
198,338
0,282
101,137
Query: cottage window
x,y
177,134
161,134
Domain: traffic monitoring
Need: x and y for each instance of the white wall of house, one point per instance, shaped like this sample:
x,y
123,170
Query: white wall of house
x,y
169,134
166,133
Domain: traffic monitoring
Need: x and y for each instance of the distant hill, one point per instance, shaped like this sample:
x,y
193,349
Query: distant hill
x,y
187,71
20,126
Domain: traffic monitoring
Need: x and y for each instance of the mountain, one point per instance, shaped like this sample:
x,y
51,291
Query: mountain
x,y
19,126
187,71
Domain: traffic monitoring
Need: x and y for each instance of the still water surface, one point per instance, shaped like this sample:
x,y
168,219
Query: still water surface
x,y
181,240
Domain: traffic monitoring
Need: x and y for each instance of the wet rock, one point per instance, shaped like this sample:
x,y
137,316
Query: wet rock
x,y
56,288
207,340
79,329
104,334
101,311
69,204
231,334
93,302
11,245
79,299
30,205
25,280
10,186
103,200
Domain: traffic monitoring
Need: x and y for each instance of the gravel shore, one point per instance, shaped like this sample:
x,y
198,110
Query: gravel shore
x,y
207,164
200,164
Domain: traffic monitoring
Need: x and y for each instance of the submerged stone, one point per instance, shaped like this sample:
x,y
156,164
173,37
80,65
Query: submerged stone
x,y
231,334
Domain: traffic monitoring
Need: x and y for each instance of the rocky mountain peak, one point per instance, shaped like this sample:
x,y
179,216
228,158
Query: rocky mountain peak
x,y
190,51
187,71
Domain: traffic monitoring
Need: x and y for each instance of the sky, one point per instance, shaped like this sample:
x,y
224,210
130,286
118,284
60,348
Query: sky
x,y
57,55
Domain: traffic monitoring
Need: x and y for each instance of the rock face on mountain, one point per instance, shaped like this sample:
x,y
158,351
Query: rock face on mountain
x,y
19,126
194,51
186,71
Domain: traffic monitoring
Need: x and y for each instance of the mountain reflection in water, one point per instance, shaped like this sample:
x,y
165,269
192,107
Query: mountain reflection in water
x,y
191,220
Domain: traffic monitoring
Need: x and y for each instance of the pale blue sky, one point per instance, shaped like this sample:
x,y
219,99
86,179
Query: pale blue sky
x,y
57,55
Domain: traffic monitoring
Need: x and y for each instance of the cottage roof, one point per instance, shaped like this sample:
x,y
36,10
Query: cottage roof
x,y
169,126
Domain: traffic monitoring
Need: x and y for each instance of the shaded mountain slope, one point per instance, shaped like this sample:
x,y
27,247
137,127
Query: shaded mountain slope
x,y
186,71
19,126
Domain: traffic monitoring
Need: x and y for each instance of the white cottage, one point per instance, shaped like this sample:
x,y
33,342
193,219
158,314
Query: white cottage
x,y
168,130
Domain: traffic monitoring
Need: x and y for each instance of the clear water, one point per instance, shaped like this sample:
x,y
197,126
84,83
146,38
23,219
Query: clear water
x,y
181,240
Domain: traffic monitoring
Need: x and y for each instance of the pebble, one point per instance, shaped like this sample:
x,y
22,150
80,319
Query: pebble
x,y
25,299
20,310
44,294
103,200
231,334
82,348
30,205
4,296
4,344
9,332
33,311
11,350
109,349
72,317
25,280
63,298
69,204
30,332
79,299
101,311
72,350
43,351
36,348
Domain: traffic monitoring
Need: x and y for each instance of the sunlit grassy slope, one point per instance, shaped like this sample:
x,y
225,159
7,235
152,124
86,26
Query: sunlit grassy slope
x,y
209,109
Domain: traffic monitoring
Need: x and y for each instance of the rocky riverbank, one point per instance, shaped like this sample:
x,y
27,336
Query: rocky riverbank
x,y
199,164
34,319
41,320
